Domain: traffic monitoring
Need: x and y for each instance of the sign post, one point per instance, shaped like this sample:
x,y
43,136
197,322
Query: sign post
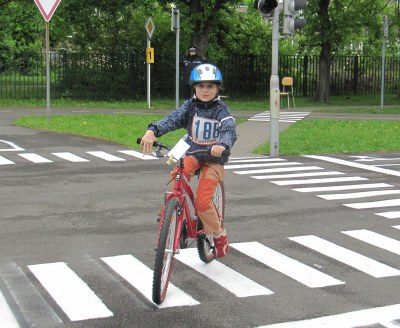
x,y
149,54
47,9
175,27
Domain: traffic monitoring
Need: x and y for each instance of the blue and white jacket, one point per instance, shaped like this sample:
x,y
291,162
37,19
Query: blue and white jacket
x,y
207,124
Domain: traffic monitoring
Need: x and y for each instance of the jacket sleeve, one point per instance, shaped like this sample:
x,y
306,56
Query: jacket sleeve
x,y
176,120
227,128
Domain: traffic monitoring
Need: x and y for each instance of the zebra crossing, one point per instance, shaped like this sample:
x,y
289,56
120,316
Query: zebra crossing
x,y
65,285
35,158
325,184
284,117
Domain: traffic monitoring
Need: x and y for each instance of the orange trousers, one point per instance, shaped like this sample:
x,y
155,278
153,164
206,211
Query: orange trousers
x,y
210,175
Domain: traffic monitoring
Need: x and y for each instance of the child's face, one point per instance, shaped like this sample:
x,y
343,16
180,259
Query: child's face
x,y
206,91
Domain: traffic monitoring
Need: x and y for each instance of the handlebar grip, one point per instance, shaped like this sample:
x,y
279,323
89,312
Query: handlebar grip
x,y
226,152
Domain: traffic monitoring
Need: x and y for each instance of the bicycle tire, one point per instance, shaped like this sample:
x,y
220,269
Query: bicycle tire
x,y
205,243
165,252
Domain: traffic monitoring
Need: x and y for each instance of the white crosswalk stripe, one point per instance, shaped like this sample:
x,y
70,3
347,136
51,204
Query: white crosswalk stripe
x,y
7,317
140,277
231,280
71,293
353,319
376,239
70,157
344,187
390,214
346,256
35,158
106,156
288,117
376,204
360,194
294,173
137,154
79,302
291,268
5,161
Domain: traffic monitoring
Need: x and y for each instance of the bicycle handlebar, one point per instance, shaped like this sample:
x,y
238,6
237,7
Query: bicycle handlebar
x,y
226,152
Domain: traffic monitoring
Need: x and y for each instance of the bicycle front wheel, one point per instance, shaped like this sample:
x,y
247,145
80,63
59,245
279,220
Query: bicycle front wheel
x,y
165,252
205,243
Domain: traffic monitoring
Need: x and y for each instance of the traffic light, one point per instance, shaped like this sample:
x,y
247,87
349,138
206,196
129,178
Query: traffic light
x,y
265,7
290,22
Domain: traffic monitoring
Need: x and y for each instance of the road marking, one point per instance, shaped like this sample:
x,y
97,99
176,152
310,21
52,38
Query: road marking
x,y
312,181
70,157
106,156
137,154
5,161
35,158
13,146
391,324
359,194
341,254
71,293
231,280
238,166
296,175
141,277
377,204
255,160
390,215
287,117
344,187
7,318
284,169
372,159
359,318
352,164
376,239
286,265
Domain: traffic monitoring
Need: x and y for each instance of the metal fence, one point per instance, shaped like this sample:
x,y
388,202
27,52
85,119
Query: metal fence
x,y
123,75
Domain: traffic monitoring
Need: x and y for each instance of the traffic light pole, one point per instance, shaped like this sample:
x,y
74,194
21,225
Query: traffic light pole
x,y
274,88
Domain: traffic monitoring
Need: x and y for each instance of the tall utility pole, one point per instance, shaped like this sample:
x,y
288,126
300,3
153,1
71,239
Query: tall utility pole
x,y
385,35
175,27
274,87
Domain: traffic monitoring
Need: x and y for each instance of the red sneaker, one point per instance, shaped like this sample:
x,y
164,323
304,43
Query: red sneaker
x,y
221,244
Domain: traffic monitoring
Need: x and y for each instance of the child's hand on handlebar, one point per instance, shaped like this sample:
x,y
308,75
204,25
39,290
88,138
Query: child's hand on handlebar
x,y
147,142
217,150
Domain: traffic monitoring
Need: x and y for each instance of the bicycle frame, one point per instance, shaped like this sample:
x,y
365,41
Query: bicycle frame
x,y
182,191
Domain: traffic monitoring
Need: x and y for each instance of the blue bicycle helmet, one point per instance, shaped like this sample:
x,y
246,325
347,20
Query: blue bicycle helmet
x,y
205,73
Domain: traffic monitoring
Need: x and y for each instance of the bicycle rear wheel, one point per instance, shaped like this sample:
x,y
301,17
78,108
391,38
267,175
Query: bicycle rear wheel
x,y
165,252
205,243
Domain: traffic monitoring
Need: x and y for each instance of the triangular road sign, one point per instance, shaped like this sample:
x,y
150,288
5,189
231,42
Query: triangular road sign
x,y
47,8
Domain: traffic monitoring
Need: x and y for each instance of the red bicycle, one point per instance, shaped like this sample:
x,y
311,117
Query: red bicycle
x,y
179,223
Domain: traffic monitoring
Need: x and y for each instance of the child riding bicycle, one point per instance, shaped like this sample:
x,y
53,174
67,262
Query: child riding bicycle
x,y
209,125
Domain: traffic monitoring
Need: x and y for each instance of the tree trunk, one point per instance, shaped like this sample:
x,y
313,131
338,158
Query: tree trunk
x,y
324,82
204,22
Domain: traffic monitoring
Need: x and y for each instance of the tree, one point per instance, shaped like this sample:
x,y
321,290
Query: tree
x,y
332,25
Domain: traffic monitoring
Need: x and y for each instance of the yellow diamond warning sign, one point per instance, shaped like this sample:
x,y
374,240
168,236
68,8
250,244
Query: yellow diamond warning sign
x,y
149,27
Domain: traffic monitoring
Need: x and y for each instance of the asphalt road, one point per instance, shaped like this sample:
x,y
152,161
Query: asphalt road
x,y
77,235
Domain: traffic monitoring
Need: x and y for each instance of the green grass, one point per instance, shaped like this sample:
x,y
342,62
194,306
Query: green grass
x,y
319,136
362,102
120,129
305,137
